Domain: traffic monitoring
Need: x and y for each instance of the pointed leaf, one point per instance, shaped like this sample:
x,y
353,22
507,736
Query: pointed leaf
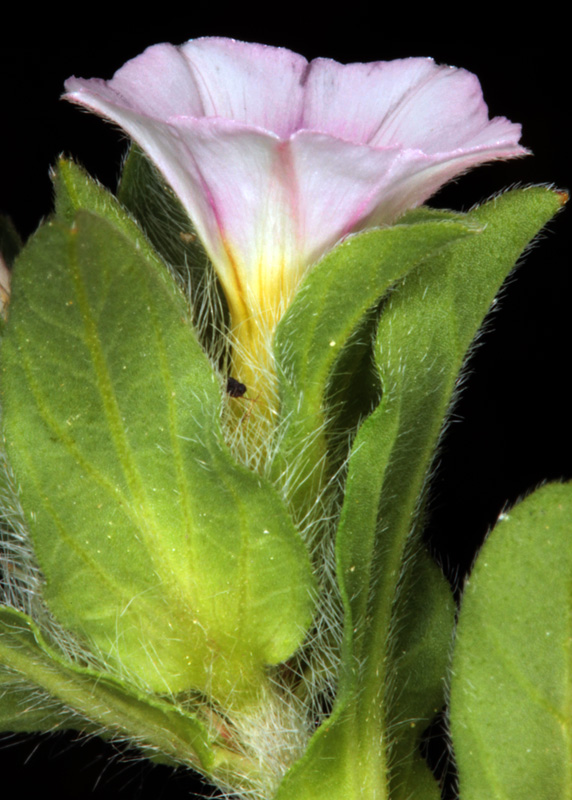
x,y
425,332
75,189
426,328
327,308
154,543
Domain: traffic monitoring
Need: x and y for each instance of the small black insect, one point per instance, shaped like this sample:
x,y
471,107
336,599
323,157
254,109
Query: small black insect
x,y
235,388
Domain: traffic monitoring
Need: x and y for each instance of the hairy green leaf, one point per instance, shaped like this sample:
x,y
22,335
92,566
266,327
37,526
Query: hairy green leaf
x,y
427,326
179,566
510,708
83,698
26,709
326,310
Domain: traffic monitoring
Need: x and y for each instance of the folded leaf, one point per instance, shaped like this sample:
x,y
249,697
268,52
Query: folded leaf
x,y
425,331
326,310
87,700
25,709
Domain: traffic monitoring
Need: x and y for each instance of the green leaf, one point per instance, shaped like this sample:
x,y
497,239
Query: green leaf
x,y
428,323
344,758
67,695
510,709
147,210
419,659
324,314
180,567
75,189
24,710
325,311
425,332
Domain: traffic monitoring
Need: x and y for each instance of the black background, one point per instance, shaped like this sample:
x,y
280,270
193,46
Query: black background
x,y
511,428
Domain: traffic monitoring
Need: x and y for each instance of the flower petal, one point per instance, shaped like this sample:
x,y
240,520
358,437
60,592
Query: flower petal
x,y
410,103
250,83
360,142
210,77
276,159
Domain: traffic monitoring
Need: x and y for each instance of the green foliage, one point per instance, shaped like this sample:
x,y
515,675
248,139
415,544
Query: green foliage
x,y
23,709
155,545
325,311
100,702
181,576
425,330
510,709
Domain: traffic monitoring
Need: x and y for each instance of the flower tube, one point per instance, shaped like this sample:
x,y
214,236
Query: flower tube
x,y
276,158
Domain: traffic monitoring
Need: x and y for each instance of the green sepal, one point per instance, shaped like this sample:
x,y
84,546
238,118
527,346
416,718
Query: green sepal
x,y
510,711
175,564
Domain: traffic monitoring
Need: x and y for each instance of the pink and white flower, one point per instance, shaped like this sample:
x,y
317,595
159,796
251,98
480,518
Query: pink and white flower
x,y
276,158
